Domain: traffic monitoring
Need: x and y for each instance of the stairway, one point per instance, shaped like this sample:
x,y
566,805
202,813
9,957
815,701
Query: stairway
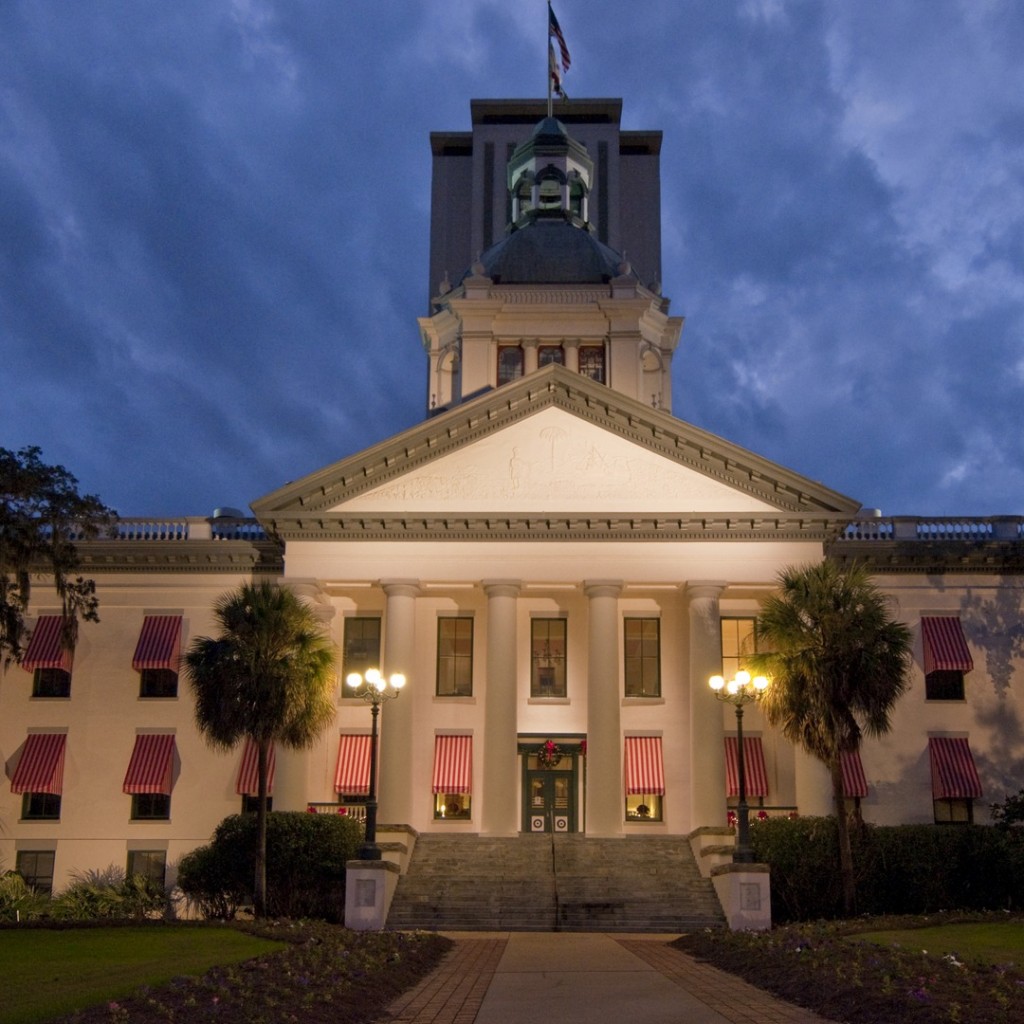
x,y
554,883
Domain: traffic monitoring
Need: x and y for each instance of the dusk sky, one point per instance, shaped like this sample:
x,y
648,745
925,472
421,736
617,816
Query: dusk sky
x,y
214,222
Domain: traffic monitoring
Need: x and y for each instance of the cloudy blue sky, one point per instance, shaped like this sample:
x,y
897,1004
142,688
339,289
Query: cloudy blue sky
x,y
214,220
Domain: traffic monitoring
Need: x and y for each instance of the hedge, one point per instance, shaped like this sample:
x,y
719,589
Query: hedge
x,y
306,856
900,869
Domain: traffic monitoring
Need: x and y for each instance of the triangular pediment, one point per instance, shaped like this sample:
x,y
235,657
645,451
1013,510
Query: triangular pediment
x,y
553,443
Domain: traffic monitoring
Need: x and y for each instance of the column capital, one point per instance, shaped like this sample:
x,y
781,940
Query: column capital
x,y
694,589
501,588
602,588
311,592
400,588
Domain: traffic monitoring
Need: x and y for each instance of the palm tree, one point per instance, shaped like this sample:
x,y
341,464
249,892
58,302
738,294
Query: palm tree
x,y
268,677
838,664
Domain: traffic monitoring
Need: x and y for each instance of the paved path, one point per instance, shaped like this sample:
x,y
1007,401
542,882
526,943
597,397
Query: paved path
x,y
583,978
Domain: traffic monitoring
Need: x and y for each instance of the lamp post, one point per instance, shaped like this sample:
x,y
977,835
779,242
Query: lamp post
x,y
374,689
740,691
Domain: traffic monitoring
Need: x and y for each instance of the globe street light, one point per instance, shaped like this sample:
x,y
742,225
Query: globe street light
x,y
374,689
740,691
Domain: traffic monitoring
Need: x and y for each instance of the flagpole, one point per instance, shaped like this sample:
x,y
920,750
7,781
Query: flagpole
x,y
547,38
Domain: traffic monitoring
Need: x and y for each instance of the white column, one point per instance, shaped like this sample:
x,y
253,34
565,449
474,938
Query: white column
x,y
707,736
395,776
571,347
605,797
529,355
813,785
500,815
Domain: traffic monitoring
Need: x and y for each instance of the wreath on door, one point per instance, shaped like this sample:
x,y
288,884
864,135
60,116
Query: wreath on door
x,y
548,755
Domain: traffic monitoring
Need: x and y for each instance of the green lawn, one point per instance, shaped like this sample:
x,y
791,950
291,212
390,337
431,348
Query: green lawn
x,y
995,943
44,974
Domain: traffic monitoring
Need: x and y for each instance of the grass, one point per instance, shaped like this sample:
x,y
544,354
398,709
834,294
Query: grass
x,y
275,972
981,940
833,968
49,973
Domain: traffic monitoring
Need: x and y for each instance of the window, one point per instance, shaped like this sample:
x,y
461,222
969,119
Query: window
x,y
455,657
738,640
944,684
151,807
41,806
510,364
362,649
157,655
547,658
158,682
946,657
645,778
643,807
51,682
592,362
36,867
453,777
953,811
151,864
550,354
642,646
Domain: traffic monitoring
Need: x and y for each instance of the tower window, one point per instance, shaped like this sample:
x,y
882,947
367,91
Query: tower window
x,y
592,362
510,364
550,354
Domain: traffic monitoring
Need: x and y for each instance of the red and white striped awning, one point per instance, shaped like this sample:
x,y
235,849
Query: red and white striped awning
x,y
645,770
248,773
945,646
453,764
854,781
45,649
954,775
159,643
151,767
753,764
41,766
352,776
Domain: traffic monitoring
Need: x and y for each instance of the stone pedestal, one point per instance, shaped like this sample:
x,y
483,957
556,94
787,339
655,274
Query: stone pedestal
x,y
369,887
745,894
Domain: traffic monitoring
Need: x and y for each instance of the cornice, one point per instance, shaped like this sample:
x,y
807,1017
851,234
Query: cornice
x,y
191,556
742,526
940,556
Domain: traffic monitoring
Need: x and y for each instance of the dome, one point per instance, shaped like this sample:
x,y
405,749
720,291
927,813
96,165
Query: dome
x,y
551,251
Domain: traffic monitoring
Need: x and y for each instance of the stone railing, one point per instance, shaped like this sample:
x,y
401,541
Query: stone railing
x,y
182,529
357,811
919,528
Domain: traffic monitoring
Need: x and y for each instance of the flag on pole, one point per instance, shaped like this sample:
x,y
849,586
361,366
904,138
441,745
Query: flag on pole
x,y
555,74
555,32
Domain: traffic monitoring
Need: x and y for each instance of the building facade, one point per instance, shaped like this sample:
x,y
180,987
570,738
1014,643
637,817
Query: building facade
x,y
554,560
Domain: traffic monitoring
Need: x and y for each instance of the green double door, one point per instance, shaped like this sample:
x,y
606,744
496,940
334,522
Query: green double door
x,y
549,800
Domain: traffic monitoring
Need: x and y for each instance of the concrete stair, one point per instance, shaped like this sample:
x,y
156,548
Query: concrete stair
x,y
554,883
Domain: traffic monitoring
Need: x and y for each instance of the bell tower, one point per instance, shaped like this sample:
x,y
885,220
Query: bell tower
x,y
551,288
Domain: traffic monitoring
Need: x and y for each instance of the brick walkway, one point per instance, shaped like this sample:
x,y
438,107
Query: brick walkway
x,y
455,991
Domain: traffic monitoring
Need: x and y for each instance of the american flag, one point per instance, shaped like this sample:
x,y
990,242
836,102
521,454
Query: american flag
x,y
555,32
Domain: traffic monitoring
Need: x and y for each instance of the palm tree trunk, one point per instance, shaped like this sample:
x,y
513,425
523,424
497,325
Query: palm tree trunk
x,y
843,831
259,899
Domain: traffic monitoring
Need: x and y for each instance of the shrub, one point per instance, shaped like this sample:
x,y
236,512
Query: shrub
x,y
900,869
18,901
108,894
306,857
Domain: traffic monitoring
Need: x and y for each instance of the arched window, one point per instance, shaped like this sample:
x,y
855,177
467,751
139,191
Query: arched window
x,y
510,363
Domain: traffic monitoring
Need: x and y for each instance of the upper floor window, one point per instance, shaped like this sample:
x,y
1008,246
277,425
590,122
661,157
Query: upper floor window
x,y
157,656
642,657
550,354
151,806
48,659
592,362
738,641
51,682
946,657
510,363
361,649
455,657
547,657
40,806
